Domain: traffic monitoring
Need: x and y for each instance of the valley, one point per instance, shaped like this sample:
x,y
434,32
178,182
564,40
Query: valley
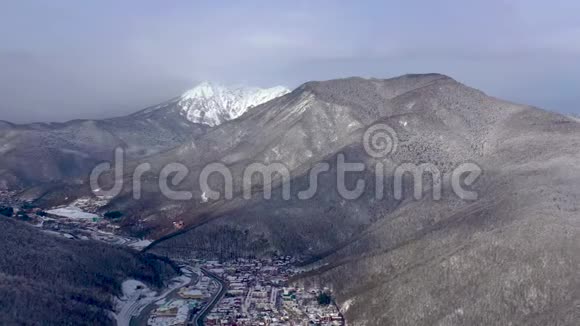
x,y
277,246
290,163
241,292
207,292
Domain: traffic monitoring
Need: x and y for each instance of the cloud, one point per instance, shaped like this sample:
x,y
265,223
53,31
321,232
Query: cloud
x,y
68,60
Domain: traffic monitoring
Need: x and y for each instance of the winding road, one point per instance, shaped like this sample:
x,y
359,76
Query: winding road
x,y
142,318
198,319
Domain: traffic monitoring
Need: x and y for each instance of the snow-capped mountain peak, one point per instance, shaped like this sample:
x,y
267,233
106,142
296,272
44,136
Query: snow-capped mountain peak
x,y
212,104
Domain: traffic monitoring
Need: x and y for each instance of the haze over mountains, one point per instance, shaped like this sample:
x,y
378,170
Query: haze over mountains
x,y
65,152
509,257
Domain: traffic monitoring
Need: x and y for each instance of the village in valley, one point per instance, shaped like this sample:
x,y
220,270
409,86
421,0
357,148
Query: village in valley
x,y
247,292
236,292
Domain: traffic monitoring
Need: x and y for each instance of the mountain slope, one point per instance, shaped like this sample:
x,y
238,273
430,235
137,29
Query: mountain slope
x,y
50,155
40,154
508,257
312,124
298,129
50,280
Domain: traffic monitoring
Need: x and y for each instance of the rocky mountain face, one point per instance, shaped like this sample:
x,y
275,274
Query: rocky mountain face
x,y
507,256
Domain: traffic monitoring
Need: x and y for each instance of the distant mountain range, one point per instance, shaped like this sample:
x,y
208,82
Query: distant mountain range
x,y
48,154
508,257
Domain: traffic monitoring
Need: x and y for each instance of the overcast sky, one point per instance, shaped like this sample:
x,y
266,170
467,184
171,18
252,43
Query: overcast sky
x,y
70,59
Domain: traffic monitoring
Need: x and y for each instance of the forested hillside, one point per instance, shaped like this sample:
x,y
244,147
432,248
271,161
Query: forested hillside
x,y
49,280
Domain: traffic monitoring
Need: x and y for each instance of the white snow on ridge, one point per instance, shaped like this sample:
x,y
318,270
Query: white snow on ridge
x,y
213,104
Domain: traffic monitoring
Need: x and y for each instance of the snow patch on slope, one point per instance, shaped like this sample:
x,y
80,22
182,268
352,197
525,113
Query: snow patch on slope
x,y
213,104
72,212
137,295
